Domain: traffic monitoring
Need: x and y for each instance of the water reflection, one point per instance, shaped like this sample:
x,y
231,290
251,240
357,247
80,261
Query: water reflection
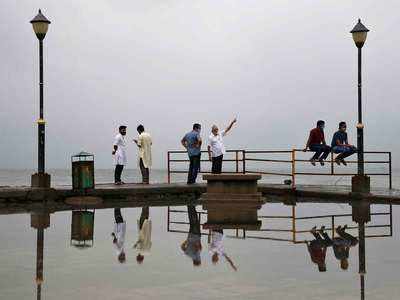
x,y
340,238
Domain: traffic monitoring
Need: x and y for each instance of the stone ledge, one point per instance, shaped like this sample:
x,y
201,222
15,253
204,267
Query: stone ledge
x,y
231,177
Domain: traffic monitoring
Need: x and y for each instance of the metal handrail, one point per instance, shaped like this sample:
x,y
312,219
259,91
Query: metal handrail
x,y
241,157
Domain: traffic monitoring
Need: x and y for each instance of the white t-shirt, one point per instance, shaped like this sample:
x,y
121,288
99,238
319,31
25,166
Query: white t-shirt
x,y
216,144
119,231
120,154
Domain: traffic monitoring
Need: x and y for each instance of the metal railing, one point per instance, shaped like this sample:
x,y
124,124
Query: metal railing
x,y
293,230
243,161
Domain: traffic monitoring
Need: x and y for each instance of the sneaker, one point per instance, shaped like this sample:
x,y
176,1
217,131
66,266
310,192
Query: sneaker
x,y
337,161
322,162
314,229
312,161
343,162
322,229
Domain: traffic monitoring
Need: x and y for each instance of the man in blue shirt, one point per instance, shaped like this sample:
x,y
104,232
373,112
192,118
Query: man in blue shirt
x,y
341,145
192,143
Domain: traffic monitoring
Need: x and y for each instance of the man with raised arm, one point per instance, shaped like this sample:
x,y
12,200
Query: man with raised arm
x,y
192,143
316,142
216,148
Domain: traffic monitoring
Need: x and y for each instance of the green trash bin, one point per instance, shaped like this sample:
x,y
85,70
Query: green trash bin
x,y
82,171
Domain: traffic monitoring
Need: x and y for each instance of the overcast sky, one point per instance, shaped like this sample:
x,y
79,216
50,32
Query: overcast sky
x,y
277,65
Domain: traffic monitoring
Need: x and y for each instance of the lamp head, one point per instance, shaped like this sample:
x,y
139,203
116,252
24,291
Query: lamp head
x,y
359,33
40,25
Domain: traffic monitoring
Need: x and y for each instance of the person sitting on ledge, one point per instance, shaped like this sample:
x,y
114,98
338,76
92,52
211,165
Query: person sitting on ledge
x,y
341,246
316,142
341,145
317,247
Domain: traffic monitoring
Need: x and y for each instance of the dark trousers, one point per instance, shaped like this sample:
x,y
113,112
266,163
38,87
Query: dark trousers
x,y
320,149
118,172
143,216
217,164
145,172
194,168
348,237
193,220
345,151
117,216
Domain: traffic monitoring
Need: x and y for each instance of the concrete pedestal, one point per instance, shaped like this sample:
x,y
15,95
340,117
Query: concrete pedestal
x,y
40,180
360,184
232,201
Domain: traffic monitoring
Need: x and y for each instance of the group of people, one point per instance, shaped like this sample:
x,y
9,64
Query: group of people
x,y
143,143
143,243
192,142
341,246
340,144
192,247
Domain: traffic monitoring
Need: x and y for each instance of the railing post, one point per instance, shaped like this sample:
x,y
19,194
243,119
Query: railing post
x,y
244,161
293,168
332,164
168,167
390,170
237,160
333,227
294,224
391,220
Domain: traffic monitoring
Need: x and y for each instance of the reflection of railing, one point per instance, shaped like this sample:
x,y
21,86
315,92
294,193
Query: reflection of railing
x,y
249,161
173,225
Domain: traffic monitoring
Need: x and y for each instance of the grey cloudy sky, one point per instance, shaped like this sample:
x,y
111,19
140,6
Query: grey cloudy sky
x,y
276,65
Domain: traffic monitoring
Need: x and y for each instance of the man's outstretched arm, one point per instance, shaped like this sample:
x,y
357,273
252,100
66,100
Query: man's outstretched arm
x,y
227,129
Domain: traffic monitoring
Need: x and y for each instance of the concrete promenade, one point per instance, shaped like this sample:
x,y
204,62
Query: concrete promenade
x,y
26,199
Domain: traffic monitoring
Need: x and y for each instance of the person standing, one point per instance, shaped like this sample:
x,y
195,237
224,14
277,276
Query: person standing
x,y
340,144
143,243
118,235
192,143
216,148
119,152
216,248
192,245
316,142
144,155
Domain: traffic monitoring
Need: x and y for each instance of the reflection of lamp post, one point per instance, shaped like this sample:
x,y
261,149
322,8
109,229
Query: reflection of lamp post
x,y
40,25
360,182
39,221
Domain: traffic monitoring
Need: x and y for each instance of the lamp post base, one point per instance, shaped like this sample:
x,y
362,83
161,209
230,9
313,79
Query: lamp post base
x,y
40,180
360,184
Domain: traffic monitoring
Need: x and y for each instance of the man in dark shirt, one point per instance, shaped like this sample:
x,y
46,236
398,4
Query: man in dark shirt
x,y
341,145
317,248
316,142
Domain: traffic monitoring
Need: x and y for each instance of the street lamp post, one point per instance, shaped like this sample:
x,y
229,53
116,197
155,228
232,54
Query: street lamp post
x,y
40,26
360,182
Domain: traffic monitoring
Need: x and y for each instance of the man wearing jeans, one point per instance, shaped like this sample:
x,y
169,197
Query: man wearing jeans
x,y
192,143
340,144
216,148
316,142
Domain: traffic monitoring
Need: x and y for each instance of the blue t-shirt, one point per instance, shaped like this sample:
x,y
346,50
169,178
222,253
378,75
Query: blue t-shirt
x,y
341,136
192,138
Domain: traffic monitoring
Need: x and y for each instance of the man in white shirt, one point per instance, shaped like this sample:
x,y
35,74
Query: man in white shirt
x,y
118,235
119,152
143,244
144,155
216,148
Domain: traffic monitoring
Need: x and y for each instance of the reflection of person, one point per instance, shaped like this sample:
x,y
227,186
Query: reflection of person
x,y
192,245
317,247
216,148
341,246
143,244
144,143
119,235
119,154
216,248
192,143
